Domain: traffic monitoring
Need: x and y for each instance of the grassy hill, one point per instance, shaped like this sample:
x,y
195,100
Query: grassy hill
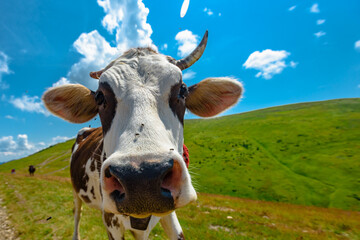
x,y
305,154
40,207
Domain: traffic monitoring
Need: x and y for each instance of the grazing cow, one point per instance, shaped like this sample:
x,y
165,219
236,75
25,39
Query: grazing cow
x,y
31,170
131,168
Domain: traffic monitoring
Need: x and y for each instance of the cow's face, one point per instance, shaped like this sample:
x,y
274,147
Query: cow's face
x,y
141,101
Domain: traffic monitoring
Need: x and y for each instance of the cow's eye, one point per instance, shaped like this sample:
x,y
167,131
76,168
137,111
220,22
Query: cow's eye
x,y
99,98
183,92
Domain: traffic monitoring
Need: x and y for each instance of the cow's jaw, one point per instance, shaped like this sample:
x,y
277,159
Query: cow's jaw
x,y
145,129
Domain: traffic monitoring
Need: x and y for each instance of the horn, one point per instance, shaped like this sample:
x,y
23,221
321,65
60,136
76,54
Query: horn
x,y
97,74
195,55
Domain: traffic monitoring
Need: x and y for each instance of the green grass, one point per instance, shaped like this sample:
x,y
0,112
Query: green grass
x,y
32,200
53,160
305,154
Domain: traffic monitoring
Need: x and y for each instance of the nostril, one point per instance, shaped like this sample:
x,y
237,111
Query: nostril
x,y
166,182
118,196
171,180
107,173
113,186
166,193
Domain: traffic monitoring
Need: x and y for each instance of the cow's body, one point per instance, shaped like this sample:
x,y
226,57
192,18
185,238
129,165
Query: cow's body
x,y
32,170
132,168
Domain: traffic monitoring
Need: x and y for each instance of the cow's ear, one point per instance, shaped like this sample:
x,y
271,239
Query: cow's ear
x,y
212,96
72,102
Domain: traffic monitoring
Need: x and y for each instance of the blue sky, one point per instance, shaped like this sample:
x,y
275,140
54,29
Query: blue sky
x,y
283,51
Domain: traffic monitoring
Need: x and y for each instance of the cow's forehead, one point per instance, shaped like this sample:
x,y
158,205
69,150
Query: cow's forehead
x,y
142,68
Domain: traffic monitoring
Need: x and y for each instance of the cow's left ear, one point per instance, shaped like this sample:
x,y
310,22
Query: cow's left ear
x,y
72,102
212,96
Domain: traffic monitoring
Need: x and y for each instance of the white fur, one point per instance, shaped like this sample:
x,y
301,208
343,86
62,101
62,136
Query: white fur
x,y
142,92
142,96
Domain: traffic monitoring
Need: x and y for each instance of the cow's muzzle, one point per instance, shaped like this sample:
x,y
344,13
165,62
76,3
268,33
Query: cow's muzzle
x,y
142,189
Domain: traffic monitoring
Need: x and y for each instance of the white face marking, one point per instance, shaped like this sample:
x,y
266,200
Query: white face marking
x,y
143,100
144,124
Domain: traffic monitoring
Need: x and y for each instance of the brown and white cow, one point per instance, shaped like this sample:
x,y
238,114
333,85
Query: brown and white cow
x,y
132,167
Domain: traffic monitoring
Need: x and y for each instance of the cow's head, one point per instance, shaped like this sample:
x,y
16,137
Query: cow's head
x,y
141,100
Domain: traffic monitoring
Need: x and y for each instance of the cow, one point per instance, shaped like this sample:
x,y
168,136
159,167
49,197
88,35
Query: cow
x,y
131,168
31,170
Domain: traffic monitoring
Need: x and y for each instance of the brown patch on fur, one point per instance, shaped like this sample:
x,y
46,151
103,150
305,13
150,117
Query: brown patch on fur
x,y
85,198
93,192
110,236
110,220
84,152
116,223
177,105
107,110
73,102
85,134
181,236
81,137
212,96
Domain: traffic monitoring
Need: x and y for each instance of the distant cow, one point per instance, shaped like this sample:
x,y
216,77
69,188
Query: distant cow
x,y
31,170
132,167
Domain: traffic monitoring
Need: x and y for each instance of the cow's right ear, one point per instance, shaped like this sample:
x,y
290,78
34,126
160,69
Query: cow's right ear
x,y
72,102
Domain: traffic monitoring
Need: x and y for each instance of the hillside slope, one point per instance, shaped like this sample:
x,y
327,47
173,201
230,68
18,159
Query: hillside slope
x,y
304,153
40,207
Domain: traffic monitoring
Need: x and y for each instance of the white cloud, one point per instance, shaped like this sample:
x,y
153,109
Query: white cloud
x,y
315,8
357,45
208,11
128,19
62,81
268,62
29,104
4,69
320,21
320,34
293,64
292,8
11,148
97,53
164,46
58,139
184,8
189,74
9,117
187,42
124,18
7,144
23,143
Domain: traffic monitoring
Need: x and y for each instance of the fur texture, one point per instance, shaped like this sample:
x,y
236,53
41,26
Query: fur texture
x,y
72,102
213,96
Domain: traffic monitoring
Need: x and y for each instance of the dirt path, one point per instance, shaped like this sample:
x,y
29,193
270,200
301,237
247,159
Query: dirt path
x,y
6,231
